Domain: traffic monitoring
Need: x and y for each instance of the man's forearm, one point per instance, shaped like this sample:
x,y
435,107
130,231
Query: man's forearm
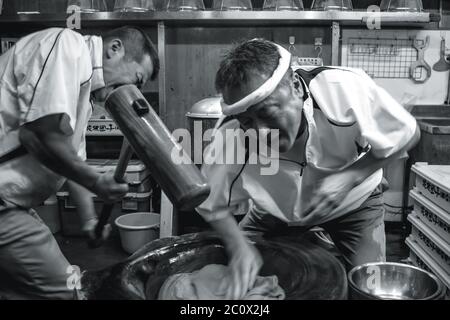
x,y
56,152
84,202
230,232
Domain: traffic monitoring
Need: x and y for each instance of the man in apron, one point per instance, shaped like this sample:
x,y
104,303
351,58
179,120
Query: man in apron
x,y
47,81
335,130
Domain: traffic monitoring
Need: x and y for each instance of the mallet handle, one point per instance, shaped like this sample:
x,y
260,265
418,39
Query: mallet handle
x,y
125,155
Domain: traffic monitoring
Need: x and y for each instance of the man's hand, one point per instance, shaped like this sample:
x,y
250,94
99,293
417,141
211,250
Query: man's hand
x,y
245,260
89,229
329,195
107,188
244,267
333,189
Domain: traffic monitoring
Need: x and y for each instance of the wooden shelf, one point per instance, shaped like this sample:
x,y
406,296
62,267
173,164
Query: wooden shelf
x,y
217,18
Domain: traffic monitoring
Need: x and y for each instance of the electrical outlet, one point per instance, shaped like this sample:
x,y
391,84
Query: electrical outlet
x,y
318,42
309,61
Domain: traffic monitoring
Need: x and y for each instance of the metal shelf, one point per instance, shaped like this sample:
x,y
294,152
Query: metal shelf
x,y
217,18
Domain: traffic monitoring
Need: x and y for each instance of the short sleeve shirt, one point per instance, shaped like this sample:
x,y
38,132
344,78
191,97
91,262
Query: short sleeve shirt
x,y
47,72
347,115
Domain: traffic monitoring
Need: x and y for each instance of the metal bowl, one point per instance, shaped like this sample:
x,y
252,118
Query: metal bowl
x,y
393,281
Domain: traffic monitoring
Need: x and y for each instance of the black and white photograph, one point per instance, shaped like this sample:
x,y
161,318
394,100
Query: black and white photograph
x,y
228,155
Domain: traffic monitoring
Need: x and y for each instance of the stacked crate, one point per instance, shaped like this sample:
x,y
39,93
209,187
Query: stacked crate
x,y
429,241
138,199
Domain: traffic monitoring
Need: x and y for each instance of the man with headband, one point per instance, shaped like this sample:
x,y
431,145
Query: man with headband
x,y
337,130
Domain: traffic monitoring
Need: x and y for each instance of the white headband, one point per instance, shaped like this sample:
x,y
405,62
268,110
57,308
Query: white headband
x,y
265,90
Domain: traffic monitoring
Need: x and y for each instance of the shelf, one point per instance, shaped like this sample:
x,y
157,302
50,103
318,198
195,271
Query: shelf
x,y
217,18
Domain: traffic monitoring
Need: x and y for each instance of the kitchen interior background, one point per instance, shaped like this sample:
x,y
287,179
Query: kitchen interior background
x,y
192,55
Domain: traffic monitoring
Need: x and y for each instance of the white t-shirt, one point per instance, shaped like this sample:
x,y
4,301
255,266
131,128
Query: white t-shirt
x,y
347,115
48,72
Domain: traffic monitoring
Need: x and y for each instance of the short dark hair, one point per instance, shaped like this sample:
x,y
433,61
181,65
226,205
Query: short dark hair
x,y
247,58
137,43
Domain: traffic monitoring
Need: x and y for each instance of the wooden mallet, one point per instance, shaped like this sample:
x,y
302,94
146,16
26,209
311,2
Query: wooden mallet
x,y
126,153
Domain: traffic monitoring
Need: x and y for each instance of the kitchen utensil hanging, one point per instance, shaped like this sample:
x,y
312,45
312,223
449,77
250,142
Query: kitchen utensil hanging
x,y
304,61
420,46
387,50
444,61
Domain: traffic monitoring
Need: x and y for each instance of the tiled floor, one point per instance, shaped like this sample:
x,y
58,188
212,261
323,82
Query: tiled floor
x,y
78,253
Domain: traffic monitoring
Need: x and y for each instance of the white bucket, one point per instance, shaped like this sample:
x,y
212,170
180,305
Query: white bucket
x,y
137,229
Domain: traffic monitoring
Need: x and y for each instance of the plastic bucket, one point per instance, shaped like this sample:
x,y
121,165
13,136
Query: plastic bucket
x,y
137,229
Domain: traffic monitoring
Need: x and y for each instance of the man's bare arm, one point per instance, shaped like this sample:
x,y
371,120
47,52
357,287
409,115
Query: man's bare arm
x,y
50,140
333,189
245,261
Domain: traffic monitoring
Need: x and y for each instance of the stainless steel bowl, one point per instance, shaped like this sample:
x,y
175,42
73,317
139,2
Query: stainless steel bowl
x,y
393,281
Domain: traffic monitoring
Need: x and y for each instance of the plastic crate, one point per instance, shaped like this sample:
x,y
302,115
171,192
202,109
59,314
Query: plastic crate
x,y
420,258
433,181
70,220
432,215
137,175
438,249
